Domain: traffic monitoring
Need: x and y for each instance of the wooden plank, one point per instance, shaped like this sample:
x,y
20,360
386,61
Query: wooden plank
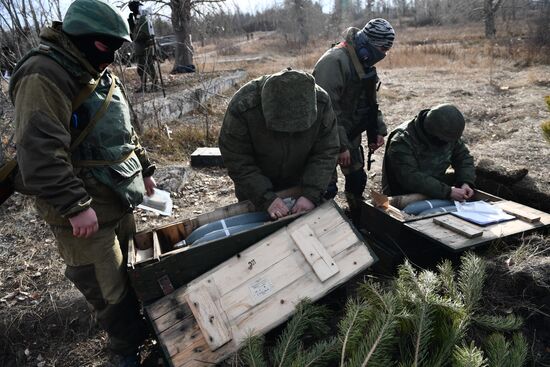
x,y
521,212
276,309
208,314
314,252
458,225
156,246
259,295
457,242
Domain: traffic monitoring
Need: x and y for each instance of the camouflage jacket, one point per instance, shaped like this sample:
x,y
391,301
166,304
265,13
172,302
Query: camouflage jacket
x,y
42,90
412,164
261,161
336,74
141,35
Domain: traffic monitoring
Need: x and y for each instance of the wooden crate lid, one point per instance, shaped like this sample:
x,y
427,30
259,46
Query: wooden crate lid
x,y
259,289
527,219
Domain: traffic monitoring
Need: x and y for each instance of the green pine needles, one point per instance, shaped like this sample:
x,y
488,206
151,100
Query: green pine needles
x,y
422,319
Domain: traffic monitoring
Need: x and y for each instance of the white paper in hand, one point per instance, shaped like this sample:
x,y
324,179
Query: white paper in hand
x,y
160,202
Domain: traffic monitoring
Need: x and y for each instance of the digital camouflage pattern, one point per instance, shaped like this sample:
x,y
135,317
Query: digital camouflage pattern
x,y
295,92
445,122
99,17
414,164
261,161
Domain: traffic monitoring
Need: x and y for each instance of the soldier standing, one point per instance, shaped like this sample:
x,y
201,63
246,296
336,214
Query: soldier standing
x,y
144,46
347,73
279,131
79,155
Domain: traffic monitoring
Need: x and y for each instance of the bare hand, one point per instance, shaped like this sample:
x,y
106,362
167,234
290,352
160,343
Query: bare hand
x,y
468,191
344,158
379,142
302,205
150,185
458,194
84,223
278,209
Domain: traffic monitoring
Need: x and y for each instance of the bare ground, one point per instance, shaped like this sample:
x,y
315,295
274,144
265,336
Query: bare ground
x,y
43,319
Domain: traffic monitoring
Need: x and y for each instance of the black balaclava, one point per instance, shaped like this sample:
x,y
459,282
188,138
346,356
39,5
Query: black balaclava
x,y
96,57
367,53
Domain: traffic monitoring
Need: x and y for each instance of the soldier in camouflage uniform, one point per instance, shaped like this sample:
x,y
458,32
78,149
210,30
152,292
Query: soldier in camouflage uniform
x,y
420,151
347,73
86,185
280,131
144,49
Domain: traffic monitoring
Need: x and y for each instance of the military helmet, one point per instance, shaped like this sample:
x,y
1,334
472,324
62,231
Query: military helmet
x,y
444,122
95,17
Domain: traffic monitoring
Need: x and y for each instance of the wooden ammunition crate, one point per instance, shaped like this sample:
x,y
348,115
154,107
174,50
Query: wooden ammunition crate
x,y
420,236
156,268
257,289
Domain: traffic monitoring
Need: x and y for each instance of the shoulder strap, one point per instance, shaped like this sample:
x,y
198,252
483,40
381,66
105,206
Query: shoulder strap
x,y
98,115
355,60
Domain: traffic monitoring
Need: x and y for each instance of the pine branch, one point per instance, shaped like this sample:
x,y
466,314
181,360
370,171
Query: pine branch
x,y
376,346
251,352
448,334
471,277
518,351
321,354
447,276
509,322
351,326
497,350
307,316
468,356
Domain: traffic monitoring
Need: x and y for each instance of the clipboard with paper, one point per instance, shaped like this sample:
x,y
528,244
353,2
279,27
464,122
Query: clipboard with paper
x,y
481,213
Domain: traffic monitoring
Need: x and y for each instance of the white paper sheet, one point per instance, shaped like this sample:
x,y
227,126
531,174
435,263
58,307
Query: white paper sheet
x,y
160,202
480,212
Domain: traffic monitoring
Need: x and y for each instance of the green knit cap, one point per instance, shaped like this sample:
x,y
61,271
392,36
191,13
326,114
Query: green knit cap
x,y
95,17
289,101
445,122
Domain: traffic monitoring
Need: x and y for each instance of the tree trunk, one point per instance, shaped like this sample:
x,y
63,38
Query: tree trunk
x,y
490,8
181,22
299,10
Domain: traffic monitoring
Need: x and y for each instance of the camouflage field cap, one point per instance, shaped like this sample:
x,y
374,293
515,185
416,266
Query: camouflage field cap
x,y
87,17
289,101
445,122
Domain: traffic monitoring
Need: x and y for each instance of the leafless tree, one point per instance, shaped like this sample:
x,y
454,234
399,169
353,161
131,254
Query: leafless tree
x,y
490,8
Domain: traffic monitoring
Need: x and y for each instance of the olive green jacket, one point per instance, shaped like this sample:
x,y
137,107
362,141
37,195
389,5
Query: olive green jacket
x,y
42,91
412,164
261,161
336,74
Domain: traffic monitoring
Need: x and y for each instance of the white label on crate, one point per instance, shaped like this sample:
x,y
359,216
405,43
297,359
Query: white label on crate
x,y
260,289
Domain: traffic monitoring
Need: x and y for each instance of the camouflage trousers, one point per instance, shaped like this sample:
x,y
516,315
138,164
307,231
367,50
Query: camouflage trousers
x,y
146,67
355,180
96,266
